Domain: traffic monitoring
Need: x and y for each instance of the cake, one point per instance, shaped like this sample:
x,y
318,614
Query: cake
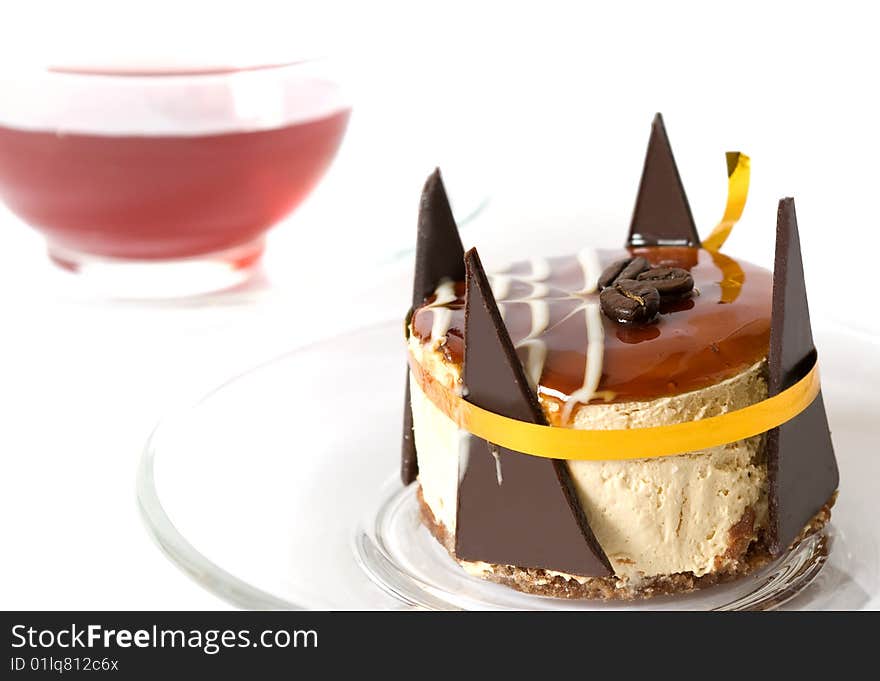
x,y
632,347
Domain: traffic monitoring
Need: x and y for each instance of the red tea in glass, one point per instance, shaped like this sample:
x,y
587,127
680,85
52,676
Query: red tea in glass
x,y
168,167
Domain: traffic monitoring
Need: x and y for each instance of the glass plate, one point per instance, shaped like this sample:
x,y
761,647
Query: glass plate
x,y
279,490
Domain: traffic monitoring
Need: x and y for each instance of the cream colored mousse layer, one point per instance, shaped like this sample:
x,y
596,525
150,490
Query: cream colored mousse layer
x,y
439,441
652,517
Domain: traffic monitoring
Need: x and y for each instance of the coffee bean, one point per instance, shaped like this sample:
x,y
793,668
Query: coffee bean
x,y
611,273
630,301
636,267
628,268
670,282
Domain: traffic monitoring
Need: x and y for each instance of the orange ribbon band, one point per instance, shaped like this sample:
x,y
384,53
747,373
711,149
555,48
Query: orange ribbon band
x,y
633,443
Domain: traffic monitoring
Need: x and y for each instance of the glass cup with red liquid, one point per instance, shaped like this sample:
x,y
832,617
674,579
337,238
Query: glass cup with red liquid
x,y
158,183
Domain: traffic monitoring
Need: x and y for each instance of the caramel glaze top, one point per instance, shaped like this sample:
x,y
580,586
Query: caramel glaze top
x,y
720,331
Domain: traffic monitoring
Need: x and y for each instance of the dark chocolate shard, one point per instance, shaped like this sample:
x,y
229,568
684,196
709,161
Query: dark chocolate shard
x,y
662,216
439,256
513,508
439,253
802,467
409,465
492,373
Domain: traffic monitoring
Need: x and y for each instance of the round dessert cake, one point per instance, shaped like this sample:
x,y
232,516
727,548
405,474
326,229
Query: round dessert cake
x,y
661,332
693,514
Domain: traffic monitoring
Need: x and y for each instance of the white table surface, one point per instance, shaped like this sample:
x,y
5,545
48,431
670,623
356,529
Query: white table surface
x,y
83,383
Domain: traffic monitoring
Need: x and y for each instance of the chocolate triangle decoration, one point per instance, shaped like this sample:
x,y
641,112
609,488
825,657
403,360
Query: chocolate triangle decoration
x,y
439,253
439,256
493,375
513,509
662,216
802,467
409,464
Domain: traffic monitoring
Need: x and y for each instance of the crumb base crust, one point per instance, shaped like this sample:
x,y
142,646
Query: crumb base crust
x,y
543,583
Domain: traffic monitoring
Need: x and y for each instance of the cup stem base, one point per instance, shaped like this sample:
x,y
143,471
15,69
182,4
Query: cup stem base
x,y
122,278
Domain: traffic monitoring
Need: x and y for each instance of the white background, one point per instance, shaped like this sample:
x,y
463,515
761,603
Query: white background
x,y
544,106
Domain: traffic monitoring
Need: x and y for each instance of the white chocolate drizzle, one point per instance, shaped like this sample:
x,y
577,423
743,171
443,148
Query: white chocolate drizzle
x,y
495,455
540,318
593,368
445,294
464,453
539,290
535,359
589,262
536,348
538,302
500,284
540,269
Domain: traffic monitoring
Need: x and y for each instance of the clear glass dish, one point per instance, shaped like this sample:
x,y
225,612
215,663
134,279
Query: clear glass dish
x,y
279,490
